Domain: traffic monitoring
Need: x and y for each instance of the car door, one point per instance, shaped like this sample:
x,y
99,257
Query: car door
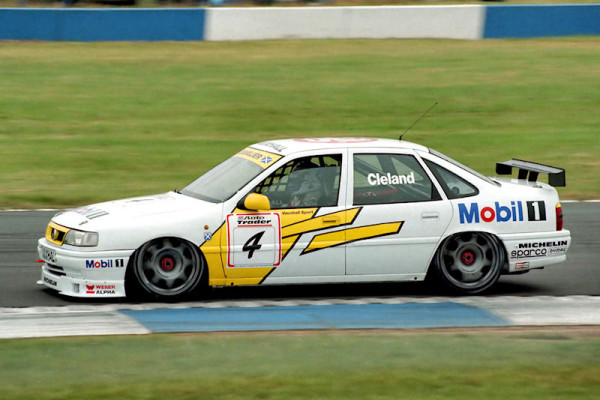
x,y
401,206
296,239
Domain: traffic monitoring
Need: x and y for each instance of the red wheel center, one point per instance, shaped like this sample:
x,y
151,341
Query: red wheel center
x,y
167,264
467,258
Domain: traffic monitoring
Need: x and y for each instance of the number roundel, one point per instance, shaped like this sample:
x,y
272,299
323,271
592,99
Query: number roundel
x,y
253,240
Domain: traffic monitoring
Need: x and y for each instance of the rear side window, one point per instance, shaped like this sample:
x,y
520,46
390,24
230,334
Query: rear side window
x,y
390,178
453,185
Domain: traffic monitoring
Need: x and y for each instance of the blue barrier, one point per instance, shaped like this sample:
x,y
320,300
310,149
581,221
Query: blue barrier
x,y
522,21
501,21
86,25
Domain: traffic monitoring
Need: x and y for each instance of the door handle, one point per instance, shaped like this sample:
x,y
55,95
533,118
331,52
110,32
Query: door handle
x,y
430,216
331,219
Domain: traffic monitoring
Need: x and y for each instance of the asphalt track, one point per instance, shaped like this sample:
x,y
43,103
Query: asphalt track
x,y
579,275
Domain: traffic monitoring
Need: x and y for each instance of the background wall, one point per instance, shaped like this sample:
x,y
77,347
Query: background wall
x,y
88,25
452,22
539,21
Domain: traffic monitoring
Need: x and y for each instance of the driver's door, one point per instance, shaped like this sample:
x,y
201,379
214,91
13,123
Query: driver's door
x,y
302,235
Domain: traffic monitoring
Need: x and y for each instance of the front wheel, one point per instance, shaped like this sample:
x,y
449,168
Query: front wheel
x,y
469,262
168,267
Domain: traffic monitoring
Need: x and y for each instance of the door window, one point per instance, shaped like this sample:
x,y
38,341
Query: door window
x,y
453,185
390,178
312,181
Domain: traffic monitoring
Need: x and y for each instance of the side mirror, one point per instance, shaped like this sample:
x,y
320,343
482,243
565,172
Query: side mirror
x,y
255,202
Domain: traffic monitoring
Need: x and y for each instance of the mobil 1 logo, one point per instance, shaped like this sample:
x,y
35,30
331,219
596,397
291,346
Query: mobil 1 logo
x,y
514,211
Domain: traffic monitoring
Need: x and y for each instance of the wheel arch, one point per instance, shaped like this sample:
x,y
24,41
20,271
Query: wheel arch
x,y
433,268
132,285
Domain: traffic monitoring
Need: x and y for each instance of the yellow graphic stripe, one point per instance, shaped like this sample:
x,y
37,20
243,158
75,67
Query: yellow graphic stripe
x,y
287,244
332,220
258,157
211,250
345,236
216,258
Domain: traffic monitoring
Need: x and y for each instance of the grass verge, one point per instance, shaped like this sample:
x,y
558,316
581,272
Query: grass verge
x,y
324,366
86,122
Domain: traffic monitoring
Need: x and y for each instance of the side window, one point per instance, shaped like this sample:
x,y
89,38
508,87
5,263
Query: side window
x,y
390,178
304,182
454,186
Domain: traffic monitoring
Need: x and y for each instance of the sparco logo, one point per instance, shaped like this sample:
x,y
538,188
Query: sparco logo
x,y
529,253
536,211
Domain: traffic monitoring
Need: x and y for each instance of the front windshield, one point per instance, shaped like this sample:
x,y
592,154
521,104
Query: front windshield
x,y
227,178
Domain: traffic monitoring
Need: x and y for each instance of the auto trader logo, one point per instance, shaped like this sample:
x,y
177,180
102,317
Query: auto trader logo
x,y
256,220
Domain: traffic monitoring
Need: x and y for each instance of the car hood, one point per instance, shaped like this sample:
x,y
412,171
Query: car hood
x,y
133,208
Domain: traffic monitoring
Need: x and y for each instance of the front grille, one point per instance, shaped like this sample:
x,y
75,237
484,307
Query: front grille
x,y
55,270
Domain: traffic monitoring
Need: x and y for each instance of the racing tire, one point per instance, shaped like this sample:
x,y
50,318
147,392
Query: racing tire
x,y
469,262
168,268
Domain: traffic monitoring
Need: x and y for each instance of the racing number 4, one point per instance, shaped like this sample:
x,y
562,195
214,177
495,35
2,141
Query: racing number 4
x,y
252,244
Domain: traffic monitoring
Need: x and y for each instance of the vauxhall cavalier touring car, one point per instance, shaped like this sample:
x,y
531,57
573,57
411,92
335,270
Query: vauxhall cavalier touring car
x,y
328,210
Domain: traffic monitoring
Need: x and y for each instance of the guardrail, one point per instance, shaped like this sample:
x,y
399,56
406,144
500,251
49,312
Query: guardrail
x,y
219,24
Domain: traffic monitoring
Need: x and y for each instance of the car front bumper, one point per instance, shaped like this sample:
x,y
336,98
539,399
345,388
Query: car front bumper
x,y
83,273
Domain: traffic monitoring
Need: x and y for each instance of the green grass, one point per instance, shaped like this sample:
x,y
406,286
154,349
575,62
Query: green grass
x,y
316,366
86,122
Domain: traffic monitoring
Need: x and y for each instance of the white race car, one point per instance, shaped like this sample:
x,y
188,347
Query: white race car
x,y
314,211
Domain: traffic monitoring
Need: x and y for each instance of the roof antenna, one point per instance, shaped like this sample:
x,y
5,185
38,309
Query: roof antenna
x,y
418,119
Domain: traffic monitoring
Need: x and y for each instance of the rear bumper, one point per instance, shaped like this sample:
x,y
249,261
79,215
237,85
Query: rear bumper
x,y
535,250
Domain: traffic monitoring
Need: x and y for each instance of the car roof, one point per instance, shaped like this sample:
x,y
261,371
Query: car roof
x,y
290,146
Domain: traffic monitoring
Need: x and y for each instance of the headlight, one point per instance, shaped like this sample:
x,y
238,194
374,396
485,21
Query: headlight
x,y
81,238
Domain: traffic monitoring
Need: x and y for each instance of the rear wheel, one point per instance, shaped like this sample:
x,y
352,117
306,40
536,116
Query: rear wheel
x,y
469,262
168,267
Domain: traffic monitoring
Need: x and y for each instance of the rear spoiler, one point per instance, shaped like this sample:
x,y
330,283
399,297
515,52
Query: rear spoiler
x,y
556,176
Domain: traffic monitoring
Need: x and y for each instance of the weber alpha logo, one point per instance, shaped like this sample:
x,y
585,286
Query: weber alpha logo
x,y
102,264
515,212
100,289
540,249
